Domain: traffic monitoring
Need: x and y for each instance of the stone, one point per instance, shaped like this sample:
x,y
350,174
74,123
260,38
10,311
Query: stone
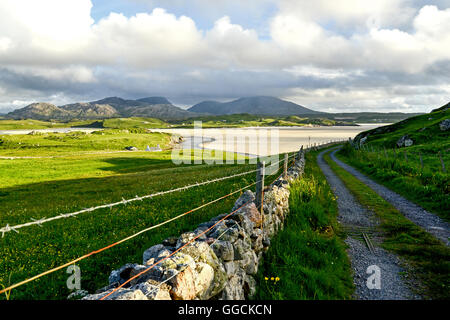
x,y
183,284
152,252
185,238
204,253
204,281
120,294
362,141
233,289
178,261
223,250
124,273
246,197
230,267
249,262
78,294
444,125
257,240
249,286
153,290
170,242
404,141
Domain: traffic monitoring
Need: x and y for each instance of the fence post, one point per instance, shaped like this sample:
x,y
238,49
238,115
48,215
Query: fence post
x,y
442,162
406,157
259,192
285,165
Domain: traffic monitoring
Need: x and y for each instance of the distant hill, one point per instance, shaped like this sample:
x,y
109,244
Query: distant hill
x,y
41,111
425,129
252,105
111,107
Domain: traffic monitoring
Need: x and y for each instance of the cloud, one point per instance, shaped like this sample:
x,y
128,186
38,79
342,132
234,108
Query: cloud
x,y
355,52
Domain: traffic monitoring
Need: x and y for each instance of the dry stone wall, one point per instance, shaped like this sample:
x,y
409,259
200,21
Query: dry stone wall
x,y
220,264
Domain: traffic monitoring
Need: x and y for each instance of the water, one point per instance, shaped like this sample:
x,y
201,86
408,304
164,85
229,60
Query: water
x,y
277,139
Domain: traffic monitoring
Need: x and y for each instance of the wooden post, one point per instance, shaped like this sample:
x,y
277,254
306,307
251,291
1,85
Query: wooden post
x,y
406,157
259,192
285,165
300,152
442,162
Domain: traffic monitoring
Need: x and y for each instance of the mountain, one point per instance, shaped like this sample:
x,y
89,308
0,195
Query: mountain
x,y
111,107
253,105
88,110
40,111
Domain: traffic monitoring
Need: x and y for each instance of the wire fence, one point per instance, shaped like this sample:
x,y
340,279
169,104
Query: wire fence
x,y
8,228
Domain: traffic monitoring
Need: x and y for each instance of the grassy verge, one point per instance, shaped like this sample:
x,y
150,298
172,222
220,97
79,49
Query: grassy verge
x,y
428,258
307,255
428,187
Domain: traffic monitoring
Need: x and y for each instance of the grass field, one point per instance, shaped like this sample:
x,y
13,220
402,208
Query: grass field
x,y
46,187
428,258
307,257
77,142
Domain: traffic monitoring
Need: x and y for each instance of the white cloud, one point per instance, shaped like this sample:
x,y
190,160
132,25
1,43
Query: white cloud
x,y
329,42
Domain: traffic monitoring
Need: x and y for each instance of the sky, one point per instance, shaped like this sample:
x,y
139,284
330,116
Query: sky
x,y
332,56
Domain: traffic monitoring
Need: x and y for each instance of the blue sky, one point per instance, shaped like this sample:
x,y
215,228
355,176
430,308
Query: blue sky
x,y
336,56
204,13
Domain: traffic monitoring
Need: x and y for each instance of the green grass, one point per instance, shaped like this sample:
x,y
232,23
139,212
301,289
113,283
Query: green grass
x,y
51,144
307,255
46,187
8,124
423,130
428,258
428,187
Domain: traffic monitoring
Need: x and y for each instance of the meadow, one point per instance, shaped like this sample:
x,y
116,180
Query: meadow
x,y
78,171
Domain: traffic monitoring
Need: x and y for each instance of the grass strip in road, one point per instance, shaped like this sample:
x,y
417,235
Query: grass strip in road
x,y
428,258
307,259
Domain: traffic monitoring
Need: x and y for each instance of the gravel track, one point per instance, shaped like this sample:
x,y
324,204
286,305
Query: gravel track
x,y
428,221
352,215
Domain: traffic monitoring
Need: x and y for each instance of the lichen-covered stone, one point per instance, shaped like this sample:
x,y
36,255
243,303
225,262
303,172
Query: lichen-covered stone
x,y
204,281
223,250
154,290
120,294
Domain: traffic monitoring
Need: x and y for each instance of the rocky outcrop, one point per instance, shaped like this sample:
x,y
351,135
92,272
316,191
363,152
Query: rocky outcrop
x,y
445,125
218,260
405,141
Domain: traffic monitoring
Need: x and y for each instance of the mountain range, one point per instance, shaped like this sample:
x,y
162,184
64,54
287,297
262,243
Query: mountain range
x,y
112,107
156,107
261,105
